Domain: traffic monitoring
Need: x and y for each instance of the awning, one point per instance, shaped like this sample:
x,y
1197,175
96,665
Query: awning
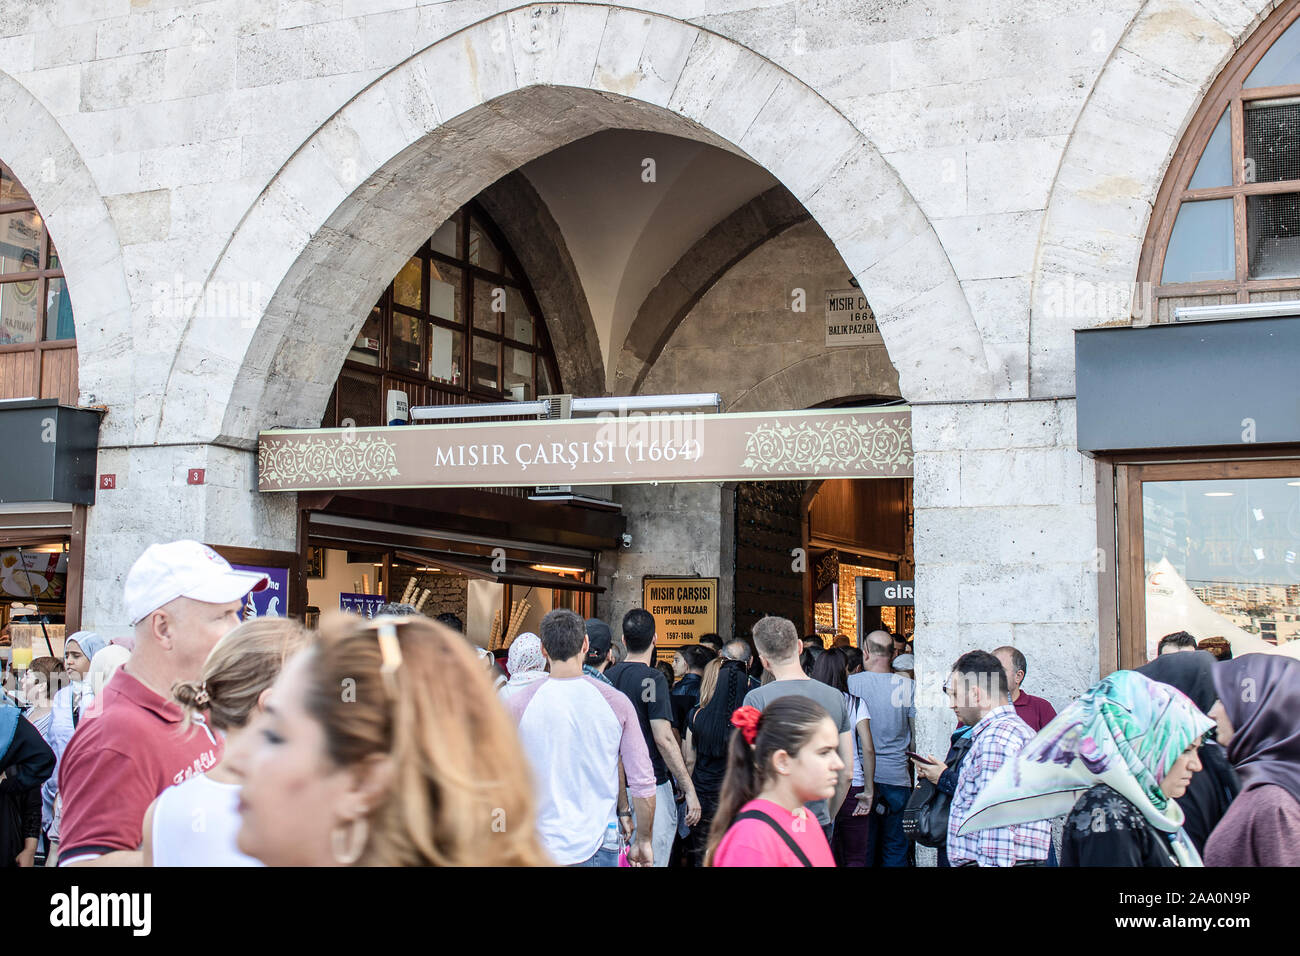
x,y
515,573
1188,385
50,452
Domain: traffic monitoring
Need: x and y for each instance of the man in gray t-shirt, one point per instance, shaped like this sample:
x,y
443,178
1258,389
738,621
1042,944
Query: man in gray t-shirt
x,y
778,649
890,697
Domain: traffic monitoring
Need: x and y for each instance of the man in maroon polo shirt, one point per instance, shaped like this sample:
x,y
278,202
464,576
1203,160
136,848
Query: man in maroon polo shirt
x,y
181,598
1034,711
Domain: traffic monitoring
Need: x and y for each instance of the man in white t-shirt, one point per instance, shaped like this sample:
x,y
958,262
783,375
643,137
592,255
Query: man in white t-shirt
x,y
576,730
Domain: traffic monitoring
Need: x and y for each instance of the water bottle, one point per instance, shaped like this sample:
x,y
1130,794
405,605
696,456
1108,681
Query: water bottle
x,y
612,839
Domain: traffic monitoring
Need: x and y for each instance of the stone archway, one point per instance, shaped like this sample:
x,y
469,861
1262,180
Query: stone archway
x,y
1101,201
48,165
338,219
521,215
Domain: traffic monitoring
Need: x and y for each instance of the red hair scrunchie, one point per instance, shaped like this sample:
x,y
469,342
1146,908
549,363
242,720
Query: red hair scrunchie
x,y
746,718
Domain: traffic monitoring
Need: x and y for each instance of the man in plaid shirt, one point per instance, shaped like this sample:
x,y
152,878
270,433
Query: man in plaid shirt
x,y
978,691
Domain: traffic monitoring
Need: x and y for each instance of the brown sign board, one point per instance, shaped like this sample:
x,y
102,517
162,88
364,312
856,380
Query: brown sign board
x,y
684,609
632,449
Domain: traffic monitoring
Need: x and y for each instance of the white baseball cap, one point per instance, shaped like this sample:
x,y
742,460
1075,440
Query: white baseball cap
x,y
187,569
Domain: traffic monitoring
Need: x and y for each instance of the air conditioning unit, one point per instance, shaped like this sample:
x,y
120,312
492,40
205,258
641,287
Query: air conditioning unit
x,y
599,497
561,406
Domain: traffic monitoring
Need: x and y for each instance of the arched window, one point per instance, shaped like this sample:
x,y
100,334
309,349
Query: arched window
x,y
459,324
37,351
1226,225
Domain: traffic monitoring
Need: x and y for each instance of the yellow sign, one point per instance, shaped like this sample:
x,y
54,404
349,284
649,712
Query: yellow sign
x,y
684,609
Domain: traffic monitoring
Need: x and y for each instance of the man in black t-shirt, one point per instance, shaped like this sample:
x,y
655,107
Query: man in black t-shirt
x,y
648,690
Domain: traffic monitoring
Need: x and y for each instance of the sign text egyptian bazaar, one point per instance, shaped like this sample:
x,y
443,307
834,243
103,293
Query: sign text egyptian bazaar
x,y
634,449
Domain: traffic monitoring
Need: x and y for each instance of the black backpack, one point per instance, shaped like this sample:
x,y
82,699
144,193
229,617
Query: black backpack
x,y
925,818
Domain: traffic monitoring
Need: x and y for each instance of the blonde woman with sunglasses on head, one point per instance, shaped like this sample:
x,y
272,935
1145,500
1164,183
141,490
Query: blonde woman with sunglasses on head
x,y
193,823
383,744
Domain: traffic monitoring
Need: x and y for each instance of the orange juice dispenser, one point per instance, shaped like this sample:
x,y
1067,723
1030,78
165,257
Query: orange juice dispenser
x,y
21,642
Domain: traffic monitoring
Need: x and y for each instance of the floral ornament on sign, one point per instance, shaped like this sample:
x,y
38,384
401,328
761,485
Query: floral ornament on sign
x,y
294,463
871,444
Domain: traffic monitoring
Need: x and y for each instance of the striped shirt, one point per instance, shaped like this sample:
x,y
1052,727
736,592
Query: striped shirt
x,y
995,739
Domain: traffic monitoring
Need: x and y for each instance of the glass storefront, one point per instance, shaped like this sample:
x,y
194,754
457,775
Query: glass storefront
x,y
1220,557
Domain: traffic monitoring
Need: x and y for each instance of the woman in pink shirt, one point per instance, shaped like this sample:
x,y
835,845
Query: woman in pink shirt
x,y
778,760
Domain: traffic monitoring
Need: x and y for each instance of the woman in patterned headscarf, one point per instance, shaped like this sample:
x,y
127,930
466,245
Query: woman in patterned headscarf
x,y
526,664
1258,716
1115,760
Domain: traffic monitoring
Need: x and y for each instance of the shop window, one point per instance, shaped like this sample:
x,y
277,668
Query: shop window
x,y
458,323
34,303
1209,548
1226,225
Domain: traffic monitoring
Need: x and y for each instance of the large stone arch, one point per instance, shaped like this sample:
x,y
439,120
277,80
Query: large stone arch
x,y
332,227
35,146
1117,157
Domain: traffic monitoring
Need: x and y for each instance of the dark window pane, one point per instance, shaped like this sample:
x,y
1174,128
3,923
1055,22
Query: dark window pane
x,y
406,347
358,399
19,312
408,287
1215,166
447,239
483,251
445,293
52,262
20,242
11,191
485,363
366,347
446,354
330,418
1201,244
489,305
518,374
1272,143
58,312
1273,235
1280,66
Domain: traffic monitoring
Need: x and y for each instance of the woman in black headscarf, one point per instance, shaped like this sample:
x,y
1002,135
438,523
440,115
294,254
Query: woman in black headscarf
x,y
1258,717
1212,790
708,732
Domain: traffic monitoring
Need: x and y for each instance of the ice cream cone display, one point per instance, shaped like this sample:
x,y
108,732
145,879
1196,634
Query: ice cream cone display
x,y
423,597
517,614
496,630
409,592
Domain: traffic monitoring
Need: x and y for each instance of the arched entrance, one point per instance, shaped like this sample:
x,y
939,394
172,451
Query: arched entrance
x,y
340,218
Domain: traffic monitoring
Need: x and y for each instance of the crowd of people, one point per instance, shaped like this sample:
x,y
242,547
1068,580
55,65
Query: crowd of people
x,y
206,741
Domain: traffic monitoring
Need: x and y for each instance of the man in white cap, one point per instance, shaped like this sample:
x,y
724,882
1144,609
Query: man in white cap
x,y
182,598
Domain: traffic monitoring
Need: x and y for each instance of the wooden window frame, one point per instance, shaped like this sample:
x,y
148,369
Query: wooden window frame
x,y
419,387
41,275
1226,93
1122,605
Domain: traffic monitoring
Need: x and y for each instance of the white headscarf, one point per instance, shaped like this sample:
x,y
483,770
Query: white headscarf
x,y
525,661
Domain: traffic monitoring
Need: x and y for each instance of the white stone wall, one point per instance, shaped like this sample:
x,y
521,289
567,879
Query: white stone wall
x,y
1005,538
276,161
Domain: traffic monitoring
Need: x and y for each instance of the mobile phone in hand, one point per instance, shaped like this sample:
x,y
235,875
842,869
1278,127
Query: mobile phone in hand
x,y
916,756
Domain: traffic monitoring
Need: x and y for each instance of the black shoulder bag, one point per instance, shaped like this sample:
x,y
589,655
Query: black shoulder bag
x,y
789,840
925,818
